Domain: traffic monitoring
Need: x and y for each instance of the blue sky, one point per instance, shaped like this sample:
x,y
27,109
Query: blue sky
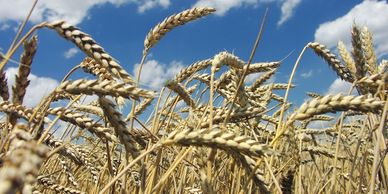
x,y
120,26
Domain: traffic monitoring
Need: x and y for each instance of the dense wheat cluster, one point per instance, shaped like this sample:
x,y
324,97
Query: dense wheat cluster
x,y
206,131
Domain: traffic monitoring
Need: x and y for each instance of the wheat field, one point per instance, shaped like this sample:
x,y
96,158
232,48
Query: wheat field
x,y
206,131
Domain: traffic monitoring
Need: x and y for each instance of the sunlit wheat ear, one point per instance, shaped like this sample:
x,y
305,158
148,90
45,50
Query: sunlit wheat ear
x,y
21,81
263,67
21,164
361,66
83,122
322,151
105,87
47,183
67,151
115,119
182,92
383,66
335,103
342,71
191,69
262,79
143,105
67,170
87,44
218,139
313,95
157,33
347,58
89,65
367,47
225,58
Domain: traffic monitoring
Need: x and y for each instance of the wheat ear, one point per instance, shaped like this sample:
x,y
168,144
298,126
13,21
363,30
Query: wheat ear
x,y
50,184
218,139
21,81
359,58
335,103
157,33
332,60
22,162
191,69
91,48
347,58
182,92
367,47
4,93
114,118
105,87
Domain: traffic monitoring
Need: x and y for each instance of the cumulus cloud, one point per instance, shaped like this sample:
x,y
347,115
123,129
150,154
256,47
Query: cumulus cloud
x,y
307,74
288,8
223,6
340,87
146,5
73,11
154,74
71,53
372,14
39,86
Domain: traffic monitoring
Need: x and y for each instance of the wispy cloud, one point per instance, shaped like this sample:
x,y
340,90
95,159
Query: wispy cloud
x,y
306,75
340,87
73,11
223,6
71,53
154,74
331,32
288,8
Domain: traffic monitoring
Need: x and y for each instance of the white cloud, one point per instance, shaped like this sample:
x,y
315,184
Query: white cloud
x,y
288,8
73,11
307,74
372,14
39,87
4,27
71,53
154,74
149,4
223,6
340,86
